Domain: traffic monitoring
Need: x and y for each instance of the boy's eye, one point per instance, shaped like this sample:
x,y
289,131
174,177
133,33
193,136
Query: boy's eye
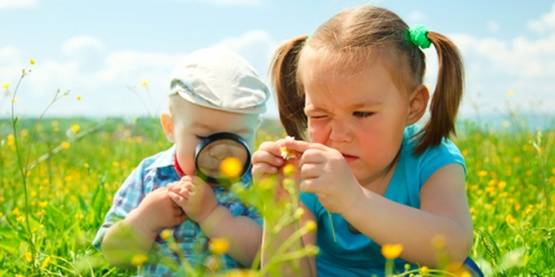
x,y
362,114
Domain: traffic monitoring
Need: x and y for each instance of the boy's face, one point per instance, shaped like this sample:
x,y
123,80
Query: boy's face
x,y
188,123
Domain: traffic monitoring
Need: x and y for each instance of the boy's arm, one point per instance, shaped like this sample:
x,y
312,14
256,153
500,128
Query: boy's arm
x,y
198,200
243,233
127,238
136,233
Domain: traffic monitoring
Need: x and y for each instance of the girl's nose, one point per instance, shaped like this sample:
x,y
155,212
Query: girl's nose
x,y
340,133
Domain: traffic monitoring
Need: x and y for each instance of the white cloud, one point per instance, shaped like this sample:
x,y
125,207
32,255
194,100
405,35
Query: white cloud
x,y
102,77
17,4
83,43
493,26
545,23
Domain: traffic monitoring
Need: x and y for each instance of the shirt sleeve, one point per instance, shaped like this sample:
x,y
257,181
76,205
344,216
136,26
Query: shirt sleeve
x,y
126,199
310,200
253,213
437,157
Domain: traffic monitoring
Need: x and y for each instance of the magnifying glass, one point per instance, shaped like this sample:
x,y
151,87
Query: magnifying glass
x,y
219,151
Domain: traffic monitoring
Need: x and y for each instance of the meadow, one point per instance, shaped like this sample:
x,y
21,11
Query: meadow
x,y
58,177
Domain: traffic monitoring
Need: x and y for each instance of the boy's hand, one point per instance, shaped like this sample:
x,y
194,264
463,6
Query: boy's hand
x,y
194,196
156,212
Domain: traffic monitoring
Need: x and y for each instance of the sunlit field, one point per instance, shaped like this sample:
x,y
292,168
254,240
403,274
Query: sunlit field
x,y
58,177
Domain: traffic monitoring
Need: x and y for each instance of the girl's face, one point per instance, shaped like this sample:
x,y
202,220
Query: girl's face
x,y
362,114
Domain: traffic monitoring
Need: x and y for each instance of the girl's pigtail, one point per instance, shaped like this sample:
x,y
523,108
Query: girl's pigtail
x,y
290,96
447,94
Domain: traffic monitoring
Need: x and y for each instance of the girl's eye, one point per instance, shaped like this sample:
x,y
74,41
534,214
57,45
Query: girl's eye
x,y
316,116
363,114
200,137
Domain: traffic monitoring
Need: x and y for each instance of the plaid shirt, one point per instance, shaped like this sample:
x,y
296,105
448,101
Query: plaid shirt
x,y
159,171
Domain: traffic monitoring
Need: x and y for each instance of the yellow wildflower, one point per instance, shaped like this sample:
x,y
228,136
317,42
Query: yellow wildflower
x,y
32,61
219,246
231,167
78,97
139,259
510,219
43,204
28,256
424,270
6,86
289,169
166,234
392,251
75,128
310,226
45,262
11,140
65,145
482,173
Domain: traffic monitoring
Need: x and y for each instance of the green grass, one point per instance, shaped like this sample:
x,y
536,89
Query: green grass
x,y
510,181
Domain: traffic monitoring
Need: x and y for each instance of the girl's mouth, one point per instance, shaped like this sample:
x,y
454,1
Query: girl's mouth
x,y
349,158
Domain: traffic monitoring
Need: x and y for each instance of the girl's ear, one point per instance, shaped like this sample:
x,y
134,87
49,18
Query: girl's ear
x,y
167,125
417,104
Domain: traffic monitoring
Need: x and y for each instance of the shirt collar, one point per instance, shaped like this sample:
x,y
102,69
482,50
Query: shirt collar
x,y
164,159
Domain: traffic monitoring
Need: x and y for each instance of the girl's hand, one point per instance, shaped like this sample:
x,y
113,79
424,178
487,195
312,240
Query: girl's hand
x,y
268,162
194,196
325,172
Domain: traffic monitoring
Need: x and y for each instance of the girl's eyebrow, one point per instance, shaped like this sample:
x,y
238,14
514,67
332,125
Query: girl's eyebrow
x,y
366,104
312,108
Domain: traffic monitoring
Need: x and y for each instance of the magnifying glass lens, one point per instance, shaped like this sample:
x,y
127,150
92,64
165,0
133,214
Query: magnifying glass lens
x,y
223,158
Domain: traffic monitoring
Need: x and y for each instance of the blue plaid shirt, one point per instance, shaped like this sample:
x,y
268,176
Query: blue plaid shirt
x,y
159,171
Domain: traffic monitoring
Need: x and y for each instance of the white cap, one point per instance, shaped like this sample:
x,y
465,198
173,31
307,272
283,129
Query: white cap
x,y
220,79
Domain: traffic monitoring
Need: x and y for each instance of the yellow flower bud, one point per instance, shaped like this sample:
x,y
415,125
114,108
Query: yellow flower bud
x,y
219,246
231,167
392,251
139,259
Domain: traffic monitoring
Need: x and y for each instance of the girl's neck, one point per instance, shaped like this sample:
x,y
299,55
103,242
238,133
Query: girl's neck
x,y
379,182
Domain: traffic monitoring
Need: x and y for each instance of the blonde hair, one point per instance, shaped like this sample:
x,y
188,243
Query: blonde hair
x,y
353,36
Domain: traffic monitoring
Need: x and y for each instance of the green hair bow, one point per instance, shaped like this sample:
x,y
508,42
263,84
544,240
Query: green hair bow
x,y
417,35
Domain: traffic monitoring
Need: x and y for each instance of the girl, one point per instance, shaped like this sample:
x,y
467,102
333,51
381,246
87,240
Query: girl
x,y
354,90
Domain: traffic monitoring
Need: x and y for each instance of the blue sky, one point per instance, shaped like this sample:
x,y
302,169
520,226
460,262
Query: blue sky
x,y
102,50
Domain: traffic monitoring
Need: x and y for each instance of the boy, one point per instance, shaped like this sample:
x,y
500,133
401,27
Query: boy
x,y
217,92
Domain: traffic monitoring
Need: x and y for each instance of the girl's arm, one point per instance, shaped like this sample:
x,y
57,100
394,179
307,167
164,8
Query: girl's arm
x,y
443,214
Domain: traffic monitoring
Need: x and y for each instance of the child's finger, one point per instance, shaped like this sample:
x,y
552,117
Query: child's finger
x,y
261,169
314,156
310,170
262,156
310,185
178,199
